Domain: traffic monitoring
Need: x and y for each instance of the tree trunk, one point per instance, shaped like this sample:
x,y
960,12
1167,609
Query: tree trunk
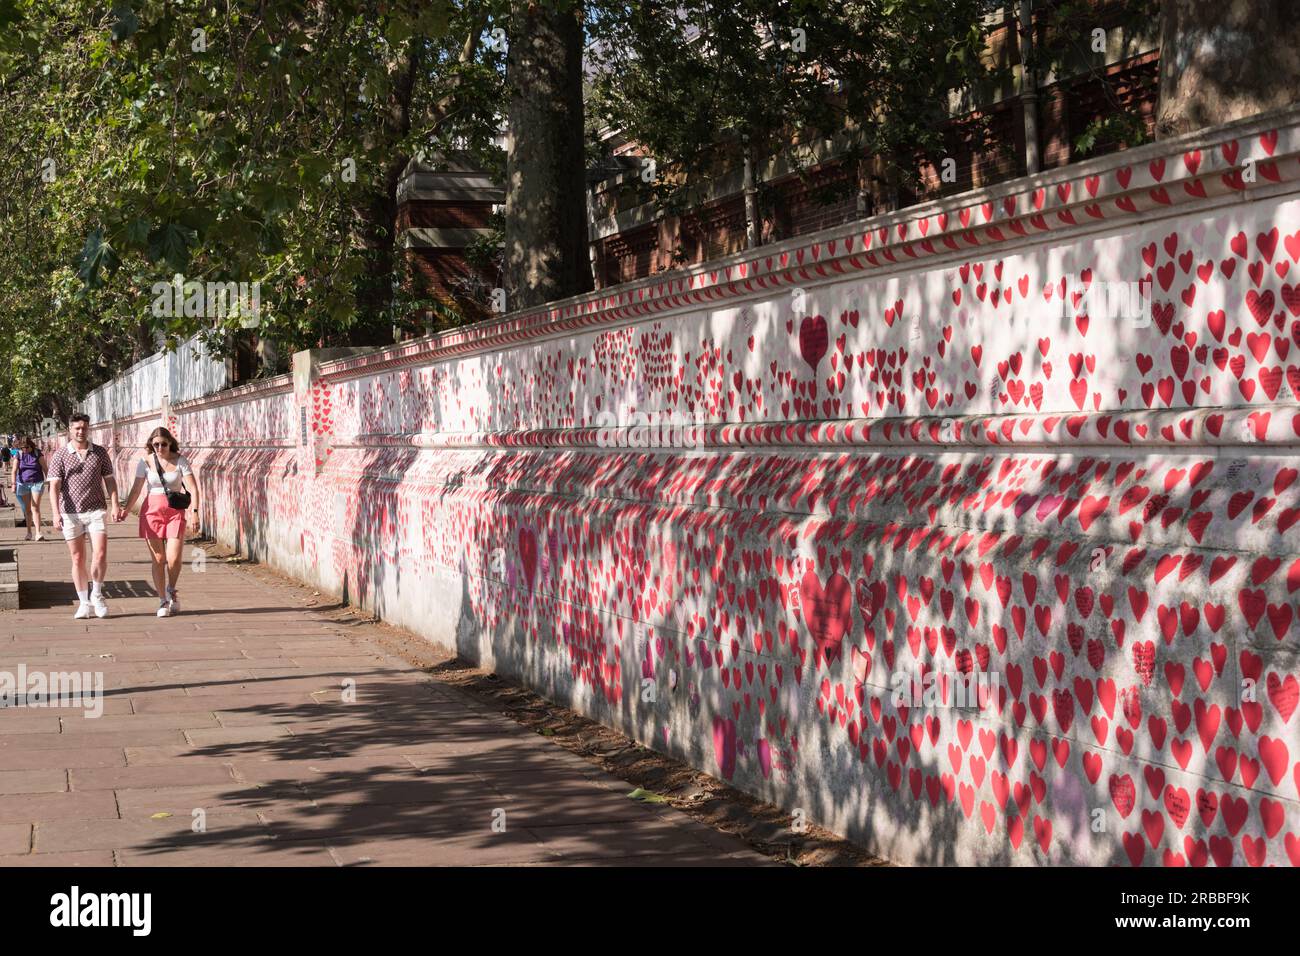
x,y
142,342
881,183
268,356
751,199
1223,60
546,254
862,176
378,214
1028,85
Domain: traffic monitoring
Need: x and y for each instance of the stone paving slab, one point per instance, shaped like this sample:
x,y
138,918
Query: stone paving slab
x,y
174,832
623,841
194,654
23,721
113,707
440,793
262,716
512,848
308,772
178,757
81,741
235,707
79,858
745,858
131,723
126,779
251,704
264,851
15,838
231,798
62,759
42,807
33,781
255,733
141,688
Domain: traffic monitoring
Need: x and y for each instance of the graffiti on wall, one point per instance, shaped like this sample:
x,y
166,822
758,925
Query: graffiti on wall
x,y
1001,547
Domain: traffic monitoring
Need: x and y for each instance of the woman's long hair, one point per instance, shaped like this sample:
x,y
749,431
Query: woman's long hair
x,y
29,446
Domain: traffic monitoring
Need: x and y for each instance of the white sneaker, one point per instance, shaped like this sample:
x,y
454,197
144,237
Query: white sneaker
x,y
101,609
174,604
83,611
164,609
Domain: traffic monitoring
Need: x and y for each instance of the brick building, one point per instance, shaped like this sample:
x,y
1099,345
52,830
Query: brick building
x,y
442,209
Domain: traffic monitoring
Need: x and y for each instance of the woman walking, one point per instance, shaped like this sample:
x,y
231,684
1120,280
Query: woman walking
x,y
172,493
29,484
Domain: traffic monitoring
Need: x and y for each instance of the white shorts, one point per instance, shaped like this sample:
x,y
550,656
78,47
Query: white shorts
x,y
85,522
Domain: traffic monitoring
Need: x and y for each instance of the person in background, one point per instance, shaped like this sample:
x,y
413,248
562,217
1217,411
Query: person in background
x,y
5,455
29,485
165,471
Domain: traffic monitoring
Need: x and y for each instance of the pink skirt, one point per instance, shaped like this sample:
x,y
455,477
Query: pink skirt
x,y
159,521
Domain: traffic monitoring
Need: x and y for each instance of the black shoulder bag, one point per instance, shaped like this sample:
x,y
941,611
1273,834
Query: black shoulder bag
x,y
180,500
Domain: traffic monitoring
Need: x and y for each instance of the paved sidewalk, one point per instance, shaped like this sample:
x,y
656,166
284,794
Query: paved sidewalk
x,y
235,708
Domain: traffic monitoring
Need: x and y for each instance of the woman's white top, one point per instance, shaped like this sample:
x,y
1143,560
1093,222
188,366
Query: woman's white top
x,y
145,469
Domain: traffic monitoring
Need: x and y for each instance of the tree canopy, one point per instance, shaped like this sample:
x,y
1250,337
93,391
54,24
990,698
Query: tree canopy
x,y
676,75
228,141
262,141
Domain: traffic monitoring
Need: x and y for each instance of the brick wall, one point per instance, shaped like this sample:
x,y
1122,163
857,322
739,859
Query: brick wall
x,y
444,214
630,255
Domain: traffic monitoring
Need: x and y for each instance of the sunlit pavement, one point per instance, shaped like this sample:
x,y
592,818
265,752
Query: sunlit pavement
x,y
227,738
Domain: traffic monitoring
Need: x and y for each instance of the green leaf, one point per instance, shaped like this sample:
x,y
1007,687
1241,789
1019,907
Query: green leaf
x,y
154,37
125,22
136,233
434,18
647,796
9,13
96,256
171,244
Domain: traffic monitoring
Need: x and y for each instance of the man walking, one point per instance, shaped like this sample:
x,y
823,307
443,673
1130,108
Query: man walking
x,y
81,485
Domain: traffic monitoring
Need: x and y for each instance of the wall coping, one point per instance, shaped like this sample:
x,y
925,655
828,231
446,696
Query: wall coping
x,y
1151,181
1175,430
262,389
